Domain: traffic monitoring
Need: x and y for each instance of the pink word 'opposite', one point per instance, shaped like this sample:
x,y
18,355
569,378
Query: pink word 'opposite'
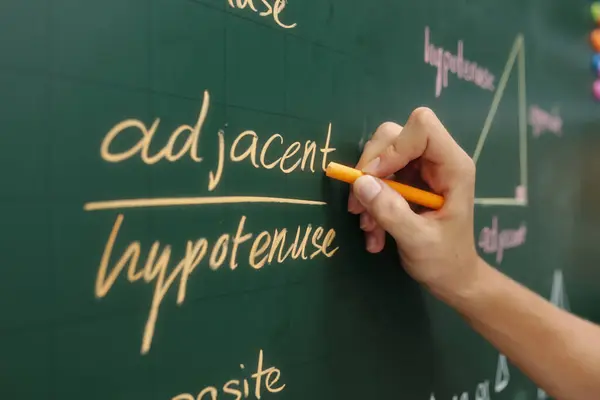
x,y
542,121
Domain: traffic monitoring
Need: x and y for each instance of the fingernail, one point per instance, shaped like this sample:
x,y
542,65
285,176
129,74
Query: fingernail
x,y
366,188
371,167
365,221
371,243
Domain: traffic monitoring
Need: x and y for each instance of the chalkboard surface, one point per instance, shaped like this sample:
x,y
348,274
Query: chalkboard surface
x,y
167,229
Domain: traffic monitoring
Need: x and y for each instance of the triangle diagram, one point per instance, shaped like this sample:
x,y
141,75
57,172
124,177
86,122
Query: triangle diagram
x,y
515,191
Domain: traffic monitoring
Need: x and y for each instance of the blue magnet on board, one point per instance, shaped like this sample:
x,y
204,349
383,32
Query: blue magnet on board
x,y
596,63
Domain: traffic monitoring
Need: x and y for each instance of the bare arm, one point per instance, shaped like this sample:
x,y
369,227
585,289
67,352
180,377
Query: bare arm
x,y
559,351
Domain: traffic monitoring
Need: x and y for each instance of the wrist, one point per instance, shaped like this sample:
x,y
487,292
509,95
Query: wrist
x,y
465,287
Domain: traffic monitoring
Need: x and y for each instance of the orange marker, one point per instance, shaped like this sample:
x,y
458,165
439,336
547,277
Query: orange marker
x,y
412,194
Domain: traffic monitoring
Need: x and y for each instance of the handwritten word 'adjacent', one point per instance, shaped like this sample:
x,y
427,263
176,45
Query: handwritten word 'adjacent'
x,y
492,241
274,9
464,69
542,121
248,146
263,248
241,389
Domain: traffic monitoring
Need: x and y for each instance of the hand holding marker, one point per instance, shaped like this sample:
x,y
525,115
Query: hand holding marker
x,y
411,194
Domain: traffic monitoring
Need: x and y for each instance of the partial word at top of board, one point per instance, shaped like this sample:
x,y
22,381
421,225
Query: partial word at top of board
x,y
266,9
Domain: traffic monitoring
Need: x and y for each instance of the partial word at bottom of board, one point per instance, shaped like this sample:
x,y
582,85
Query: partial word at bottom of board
x,y
240,388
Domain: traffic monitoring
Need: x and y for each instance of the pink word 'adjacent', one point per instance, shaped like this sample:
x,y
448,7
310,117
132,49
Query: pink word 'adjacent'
x,y
491,240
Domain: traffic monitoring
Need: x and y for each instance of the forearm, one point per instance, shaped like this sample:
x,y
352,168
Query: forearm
x,y
557,350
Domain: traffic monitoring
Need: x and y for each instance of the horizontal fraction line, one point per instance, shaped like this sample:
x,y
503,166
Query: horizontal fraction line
x,y
192,201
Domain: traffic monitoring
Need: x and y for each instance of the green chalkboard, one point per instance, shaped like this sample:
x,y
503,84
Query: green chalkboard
x,y
167,229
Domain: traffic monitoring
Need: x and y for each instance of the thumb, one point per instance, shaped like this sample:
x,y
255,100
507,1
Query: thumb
x,y
387,207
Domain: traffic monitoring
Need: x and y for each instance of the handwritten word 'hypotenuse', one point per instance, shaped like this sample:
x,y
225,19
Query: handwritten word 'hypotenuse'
x,y
265,248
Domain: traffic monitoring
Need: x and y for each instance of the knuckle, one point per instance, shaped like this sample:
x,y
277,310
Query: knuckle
x,y
468,168
424,241
422,115
367,223
387,131
387,221
389,210
392,152
403,146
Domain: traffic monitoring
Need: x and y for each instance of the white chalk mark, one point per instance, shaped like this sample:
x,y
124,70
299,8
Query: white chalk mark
x,y
558,295
502,374
483,391
541,395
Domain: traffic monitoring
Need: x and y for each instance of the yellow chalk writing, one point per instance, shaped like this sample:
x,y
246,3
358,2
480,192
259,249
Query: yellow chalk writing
x,y
163,272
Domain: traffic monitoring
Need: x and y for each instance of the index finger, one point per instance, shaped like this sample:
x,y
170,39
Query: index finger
x,y
423,137
383,137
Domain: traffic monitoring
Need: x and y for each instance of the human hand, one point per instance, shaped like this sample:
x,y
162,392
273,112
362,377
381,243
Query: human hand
x,y
436,247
